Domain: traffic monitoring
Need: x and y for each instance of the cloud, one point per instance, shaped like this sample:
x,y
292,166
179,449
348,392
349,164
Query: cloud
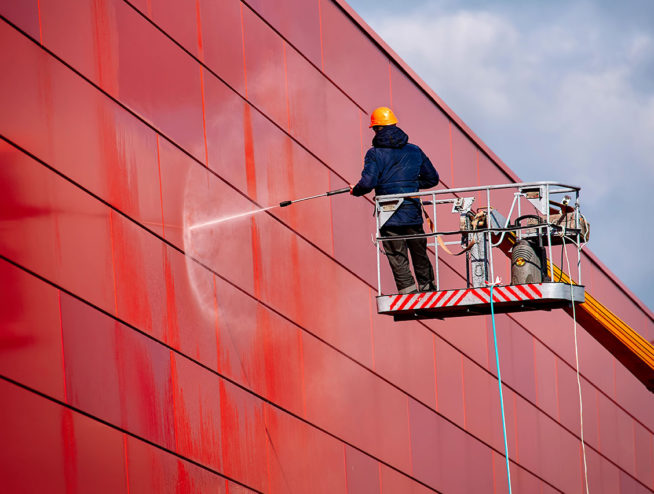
x,y
450,48
565,94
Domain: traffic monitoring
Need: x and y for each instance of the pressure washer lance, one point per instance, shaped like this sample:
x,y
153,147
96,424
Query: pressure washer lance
x,y
283,204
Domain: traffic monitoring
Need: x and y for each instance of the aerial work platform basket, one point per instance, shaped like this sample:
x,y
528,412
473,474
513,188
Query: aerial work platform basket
x,y
540,220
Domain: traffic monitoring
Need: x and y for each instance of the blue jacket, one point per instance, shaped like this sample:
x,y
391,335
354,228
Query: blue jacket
x,y
393,166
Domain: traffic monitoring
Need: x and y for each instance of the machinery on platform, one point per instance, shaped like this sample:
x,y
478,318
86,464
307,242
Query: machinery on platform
x,y
543,223
540,218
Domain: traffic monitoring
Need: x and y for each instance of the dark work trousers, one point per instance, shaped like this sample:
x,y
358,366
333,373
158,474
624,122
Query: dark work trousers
x,y
397,252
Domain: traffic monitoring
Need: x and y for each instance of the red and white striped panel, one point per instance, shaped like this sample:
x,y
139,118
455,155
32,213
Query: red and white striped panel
x,y
453,298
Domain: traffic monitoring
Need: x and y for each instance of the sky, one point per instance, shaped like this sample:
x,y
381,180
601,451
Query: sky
x,y
560,90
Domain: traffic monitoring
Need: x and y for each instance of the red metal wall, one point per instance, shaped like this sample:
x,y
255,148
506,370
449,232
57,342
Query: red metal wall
x,y
138,357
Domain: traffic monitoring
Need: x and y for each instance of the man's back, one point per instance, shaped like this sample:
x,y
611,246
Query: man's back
x,y
394,166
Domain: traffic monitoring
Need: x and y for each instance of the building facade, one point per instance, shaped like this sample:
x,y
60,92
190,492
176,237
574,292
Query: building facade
x,y
138,354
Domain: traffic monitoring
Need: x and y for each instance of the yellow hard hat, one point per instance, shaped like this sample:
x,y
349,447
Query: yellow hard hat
x,y
382,116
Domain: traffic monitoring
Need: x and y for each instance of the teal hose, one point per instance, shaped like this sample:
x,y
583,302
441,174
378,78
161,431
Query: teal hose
x,y
499,381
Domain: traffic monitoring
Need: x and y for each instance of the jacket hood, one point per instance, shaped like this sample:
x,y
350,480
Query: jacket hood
x,y
390,136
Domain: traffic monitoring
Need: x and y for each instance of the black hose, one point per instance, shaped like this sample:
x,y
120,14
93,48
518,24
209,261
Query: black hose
x,y
338,191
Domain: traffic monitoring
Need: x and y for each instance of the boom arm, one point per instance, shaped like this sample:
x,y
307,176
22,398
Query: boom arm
x,y
623,342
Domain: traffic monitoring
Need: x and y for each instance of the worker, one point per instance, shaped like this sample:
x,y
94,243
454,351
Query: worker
x,y
394,166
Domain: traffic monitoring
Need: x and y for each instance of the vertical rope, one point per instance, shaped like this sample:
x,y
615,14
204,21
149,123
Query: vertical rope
x,y
581,406
499,381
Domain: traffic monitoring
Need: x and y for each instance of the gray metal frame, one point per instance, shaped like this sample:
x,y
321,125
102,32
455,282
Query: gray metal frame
x,y
548,190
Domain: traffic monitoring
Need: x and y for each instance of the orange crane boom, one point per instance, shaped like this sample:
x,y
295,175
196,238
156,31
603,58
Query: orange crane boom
x,y
626,344
621,340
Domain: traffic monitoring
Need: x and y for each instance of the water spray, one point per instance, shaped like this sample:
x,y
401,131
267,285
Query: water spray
x,y
282,204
